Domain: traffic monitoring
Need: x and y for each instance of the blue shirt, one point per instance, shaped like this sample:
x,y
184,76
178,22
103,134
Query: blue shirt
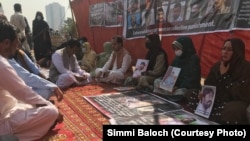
x,y
40,85
33,68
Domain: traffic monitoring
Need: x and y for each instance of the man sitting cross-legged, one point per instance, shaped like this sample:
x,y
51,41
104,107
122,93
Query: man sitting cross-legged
x,y
24,113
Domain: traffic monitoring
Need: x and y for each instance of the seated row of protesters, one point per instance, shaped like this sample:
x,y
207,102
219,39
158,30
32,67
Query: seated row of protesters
x,y
232,84
111,66
229,75
87,58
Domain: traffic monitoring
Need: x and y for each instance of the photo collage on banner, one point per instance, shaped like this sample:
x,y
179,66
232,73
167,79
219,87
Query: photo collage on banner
x,y
140,17
171,17
108,14
114,13
178,16
96,14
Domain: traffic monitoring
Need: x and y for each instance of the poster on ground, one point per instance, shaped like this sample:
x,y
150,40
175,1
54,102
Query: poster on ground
x,y
175,117
130,104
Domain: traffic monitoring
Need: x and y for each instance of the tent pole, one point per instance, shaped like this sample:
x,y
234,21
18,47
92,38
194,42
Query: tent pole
x,y
73,18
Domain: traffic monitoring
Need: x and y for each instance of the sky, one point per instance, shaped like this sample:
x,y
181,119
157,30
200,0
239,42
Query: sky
x,y
30,7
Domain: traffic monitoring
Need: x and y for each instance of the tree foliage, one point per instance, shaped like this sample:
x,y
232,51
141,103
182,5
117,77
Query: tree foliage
x,y
70,27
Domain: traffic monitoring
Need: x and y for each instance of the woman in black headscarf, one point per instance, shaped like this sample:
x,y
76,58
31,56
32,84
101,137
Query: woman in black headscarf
x,y
231,77
42,40
190,72
158,62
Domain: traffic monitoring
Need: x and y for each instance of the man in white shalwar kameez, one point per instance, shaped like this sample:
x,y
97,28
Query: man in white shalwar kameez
x,y
23,112
65,70
118,65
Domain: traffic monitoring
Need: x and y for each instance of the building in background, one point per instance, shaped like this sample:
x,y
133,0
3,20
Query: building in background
x,y
55,15
1,9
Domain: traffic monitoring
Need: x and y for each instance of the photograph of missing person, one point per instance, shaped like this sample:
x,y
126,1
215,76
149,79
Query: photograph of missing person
x,y
170,78
176,12
205,105
141,66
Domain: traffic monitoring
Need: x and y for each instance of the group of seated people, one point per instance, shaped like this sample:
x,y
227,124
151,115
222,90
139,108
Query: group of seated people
x,y
230,75
27,112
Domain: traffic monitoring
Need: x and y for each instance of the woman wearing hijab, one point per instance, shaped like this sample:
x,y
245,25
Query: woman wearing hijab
x,y
103,57
190,74
158,62
231,77
42,40
89,57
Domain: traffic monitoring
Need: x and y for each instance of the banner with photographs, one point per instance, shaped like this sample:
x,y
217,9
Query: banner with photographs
x,y
106,14
178,17
96,14
114,13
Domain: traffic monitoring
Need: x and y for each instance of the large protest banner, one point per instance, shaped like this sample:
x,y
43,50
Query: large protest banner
x,y
171,17
178,17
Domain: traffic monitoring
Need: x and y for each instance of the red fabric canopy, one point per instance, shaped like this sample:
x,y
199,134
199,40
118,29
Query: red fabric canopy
x,y
208,45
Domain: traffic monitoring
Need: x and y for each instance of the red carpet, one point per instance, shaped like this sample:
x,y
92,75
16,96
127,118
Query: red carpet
x,y
82,122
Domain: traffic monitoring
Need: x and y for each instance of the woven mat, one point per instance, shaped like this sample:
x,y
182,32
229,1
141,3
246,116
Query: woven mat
x,y
82,122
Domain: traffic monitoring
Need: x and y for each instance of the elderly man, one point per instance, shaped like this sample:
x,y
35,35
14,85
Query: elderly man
x,y
117,66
